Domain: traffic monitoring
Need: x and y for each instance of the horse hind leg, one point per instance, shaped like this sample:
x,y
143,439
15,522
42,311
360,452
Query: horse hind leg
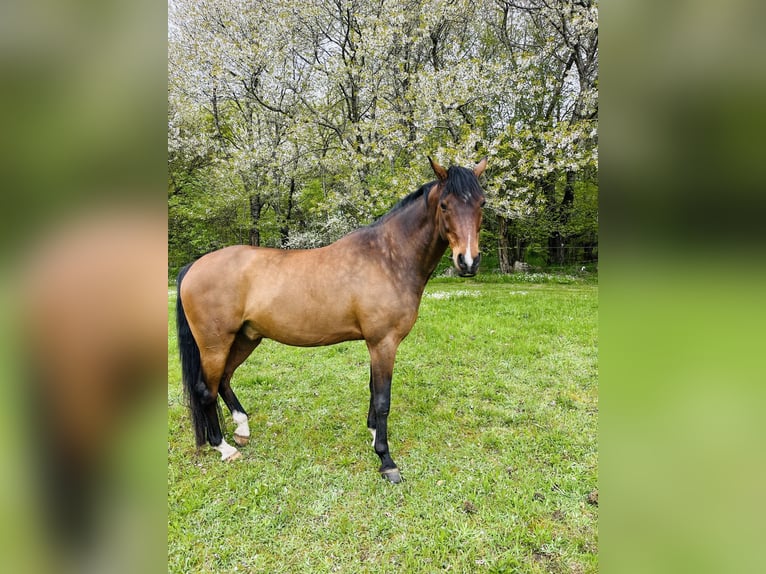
x,y
215,436
240,350
213,365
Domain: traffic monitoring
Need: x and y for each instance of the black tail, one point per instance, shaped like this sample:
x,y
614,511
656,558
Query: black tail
x,y
195,389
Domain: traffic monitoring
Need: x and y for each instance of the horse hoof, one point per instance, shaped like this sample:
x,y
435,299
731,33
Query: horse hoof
x,y
241,440
234,456
391,475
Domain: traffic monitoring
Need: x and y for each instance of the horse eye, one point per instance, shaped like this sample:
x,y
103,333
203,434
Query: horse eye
x,y
483,203
443,206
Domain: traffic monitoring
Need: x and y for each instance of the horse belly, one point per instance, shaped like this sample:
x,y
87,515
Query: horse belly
x,y
302,320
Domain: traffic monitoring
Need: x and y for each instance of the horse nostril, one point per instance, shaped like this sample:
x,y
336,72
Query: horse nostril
x,y
476,261
461,260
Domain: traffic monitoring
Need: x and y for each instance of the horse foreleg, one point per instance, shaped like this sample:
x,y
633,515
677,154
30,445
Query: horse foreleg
x,y
381,368
371,413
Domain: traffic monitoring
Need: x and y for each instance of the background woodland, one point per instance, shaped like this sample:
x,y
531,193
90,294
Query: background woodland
x,y
292,123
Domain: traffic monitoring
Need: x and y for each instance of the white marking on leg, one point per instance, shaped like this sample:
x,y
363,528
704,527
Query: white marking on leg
x,y
226,450
372,432
468,256
243,429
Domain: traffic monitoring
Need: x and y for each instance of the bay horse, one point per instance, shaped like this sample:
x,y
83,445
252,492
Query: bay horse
x,y
367,285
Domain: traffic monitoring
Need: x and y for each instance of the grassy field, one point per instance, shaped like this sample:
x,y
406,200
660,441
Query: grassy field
x,y
493,424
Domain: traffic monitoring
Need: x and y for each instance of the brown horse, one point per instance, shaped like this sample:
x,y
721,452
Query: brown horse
x,y
367,285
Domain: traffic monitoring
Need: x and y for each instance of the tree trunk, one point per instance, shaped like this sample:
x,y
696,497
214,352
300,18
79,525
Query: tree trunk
x,y
555,248
559,218
552,208
565,212
255,218
284,229
520,253
505,255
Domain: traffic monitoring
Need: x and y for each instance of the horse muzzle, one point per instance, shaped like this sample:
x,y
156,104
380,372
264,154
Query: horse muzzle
x,y
465,270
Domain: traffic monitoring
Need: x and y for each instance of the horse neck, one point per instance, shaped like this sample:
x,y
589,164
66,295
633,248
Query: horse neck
x,y
413,236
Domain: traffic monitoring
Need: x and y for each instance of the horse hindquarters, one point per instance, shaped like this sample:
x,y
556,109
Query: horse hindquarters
x,y
203,404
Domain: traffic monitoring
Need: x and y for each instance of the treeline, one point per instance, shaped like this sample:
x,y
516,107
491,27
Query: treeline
x,y
289,124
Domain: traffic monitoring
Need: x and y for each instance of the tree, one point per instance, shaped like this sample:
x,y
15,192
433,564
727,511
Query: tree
x,y
551,142
312,118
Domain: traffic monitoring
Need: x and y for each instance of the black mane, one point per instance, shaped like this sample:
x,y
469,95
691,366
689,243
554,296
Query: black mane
x,y
460,182
406,201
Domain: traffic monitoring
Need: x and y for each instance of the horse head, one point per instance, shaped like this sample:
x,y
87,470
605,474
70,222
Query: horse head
x,y
461,201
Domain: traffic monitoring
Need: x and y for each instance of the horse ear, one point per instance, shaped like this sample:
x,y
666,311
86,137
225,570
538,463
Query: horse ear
x,y
480,167
440,172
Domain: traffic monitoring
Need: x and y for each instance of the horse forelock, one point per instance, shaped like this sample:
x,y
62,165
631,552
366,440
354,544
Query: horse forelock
x,y
462,183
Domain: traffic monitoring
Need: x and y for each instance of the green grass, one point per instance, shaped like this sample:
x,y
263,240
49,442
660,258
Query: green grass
x,y
493,424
